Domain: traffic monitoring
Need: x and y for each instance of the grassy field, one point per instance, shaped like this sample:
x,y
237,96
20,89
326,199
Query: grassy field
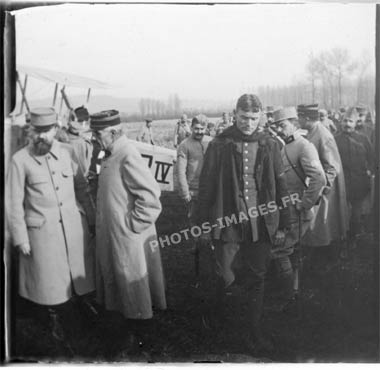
x,y
163,131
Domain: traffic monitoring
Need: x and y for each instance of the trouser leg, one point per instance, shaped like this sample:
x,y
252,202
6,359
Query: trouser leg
x,y
285,276
225,254
257,257
356,212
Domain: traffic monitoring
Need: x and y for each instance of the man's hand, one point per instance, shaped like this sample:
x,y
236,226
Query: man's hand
x,y
279,237
187,199
326,190
24,248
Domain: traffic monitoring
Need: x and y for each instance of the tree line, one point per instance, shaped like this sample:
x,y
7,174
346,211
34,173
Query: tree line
x,y
332,78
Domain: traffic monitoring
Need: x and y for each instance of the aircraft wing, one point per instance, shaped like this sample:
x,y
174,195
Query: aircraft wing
x,y
62,78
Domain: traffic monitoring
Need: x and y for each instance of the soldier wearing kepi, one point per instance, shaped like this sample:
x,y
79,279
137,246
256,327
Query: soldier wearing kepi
x,y
77,138
45,222
363,127
357,158
331,222
146,134
327,122
181,131
129,272
243,172
304,177
269,114
190,156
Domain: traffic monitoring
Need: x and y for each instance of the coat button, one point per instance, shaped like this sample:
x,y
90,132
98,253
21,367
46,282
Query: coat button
x,y
57,188
61,204
247,198
60,221
246,167
245,144
246,159
53,172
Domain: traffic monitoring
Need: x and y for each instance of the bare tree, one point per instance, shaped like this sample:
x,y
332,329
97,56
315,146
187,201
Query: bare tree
x,y
313,70
363,66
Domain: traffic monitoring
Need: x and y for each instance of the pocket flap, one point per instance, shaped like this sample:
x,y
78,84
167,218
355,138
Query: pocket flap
x,y
67,172
34,221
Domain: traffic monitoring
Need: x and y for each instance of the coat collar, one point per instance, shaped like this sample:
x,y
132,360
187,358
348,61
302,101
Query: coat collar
x,y
118,143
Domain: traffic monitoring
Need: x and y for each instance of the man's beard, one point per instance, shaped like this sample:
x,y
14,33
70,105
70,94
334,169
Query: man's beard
x,y
42,147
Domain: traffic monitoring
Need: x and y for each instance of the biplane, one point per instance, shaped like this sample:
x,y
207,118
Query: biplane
x,y
160,160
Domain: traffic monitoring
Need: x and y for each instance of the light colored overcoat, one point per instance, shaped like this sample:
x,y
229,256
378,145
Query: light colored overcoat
x,y
43,211
129,270
331,222
305,179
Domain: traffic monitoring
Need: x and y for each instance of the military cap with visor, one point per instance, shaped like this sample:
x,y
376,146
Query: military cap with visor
x,y
308,111
107,118
43,119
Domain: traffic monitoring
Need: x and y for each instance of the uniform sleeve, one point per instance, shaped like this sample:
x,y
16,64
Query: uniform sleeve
x,y
140,135
333,127
140,182
175,135
15,204
281,184
182,155
330,158
88,155
313,169
369,154
82,191
208,183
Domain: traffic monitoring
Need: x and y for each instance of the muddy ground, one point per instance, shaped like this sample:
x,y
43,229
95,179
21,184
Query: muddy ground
x,y
337,322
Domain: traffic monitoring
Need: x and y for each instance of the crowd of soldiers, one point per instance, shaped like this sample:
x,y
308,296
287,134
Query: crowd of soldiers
x,y
265,183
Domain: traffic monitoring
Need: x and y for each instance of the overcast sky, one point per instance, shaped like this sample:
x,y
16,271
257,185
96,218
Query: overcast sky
x,y
211,52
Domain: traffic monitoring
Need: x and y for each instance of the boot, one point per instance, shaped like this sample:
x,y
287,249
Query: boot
x,y
89,309
55,326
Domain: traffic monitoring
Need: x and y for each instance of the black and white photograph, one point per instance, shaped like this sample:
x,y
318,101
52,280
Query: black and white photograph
x,y
190,183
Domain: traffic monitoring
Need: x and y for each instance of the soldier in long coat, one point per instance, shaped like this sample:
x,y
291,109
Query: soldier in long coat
x,y
242,173
129,271
331,221
357,157
76,134
304,177
44,219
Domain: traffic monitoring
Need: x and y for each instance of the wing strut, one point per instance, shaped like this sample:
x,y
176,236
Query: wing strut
x,y
23,93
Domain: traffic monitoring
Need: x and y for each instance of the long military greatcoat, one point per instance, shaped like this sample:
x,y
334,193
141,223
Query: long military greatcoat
x,y
43,212
331,221
129,270
357,158
304,177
